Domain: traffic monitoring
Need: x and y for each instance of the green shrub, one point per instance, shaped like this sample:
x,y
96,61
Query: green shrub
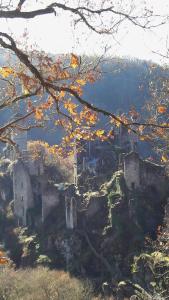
x,y
43,260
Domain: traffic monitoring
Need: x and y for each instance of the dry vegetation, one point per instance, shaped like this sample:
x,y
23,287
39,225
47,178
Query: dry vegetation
x,y
42,284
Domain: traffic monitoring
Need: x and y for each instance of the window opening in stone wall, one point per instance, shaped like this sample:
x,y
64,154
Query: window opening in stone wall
x,y
39,170
133,185
39,185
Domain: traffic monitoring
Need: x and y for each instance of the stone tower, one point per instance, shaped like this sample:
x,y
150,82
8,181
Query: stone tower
x,y
132,170
22,189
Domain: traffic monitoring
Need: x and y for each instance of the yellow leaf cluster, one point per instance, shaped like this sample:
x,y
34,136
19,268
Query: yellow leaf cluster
x,y
145,138
61,94
99,132
81,81
6,72
47,104
88,116
74,62
25,91
115,122
64,75
77,89
71,107
164,158
38,114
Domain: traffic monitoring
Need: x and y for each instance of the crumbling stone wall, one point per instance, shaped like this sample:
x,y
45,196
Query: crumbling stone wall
x,y
22,189
132,170
50,199
71,207
35,166
152,175
140,173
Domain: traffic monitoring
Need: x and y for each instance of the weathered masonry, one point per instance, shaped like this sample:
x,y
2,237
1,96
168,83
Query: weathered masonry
x,y
140,173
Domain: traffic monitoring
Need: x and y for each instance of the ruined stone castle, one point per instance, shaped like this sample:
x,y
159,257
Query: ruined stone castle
x,y
35,196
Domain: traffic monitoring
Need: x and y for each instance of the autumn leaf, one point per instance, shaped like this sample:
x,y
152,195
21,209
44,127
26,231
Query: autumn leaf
x,y
74,63
164,158
89,116
3,260
70,106
77,89
99,132
161,109
61,94
64,75
50,102
81,81
145,138
25,91
117,123
38,114
141,128
47,104
6,71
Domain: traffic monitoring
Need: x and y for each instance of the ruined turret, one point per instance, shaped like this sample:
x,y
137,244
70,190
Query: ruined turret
x,y
139,173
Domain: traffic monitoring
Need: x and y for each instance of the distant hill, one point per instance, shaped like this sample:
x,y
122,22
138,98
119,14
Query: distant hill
x,y
124,83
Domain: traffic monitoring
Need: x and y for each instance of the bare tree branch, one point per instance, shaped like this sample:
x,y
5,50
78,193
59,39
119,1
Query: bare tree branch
x,y
47,85
85,15
17,99
14,14
11,123
21,2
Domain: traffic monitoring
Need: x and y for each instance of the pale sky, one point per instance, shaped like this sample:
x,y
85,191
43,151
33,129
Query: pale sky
x,y
56,35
